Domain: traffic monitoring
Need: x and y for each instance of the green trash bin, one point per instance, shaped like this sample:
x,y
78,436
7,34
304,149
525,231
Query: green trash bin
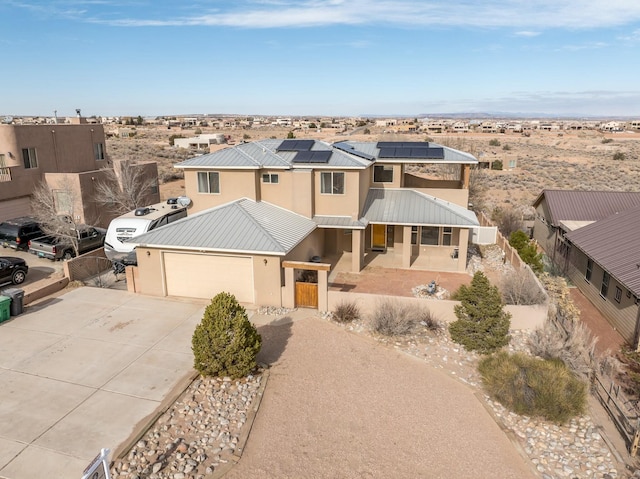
x,y
5,308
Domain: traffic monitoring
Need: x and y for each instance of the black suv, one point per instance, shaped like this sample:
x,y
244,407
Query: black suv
x,y
17,233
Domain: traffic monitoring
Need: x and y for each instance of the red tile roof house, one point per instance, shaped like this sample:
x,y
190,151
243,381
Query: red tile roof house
x,y
265,211
594,237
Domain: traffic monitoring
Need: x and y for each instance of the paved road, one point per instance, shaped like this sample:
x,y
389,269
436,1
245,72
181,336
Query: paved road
x,y
39,268
340,405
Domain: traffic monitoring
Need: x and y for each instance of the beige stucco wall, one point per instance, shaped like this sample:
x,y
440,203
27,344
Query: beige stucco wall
x,y
301,195
347,204
398,173
234,184
312,245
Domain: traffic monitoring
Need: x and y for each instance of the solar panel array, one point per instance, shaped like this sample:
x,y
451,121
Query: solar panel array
x,y
295,145
409,149
312,156
347,148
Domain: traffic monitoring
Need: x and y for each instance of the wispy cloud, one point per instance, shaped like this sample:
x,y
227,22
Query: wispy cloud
x,y
525,16
527,33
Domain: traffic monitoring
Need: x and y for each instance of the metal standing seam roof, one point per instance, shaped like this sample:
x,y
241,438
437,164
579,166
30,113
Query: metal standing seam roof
x,y
243,226
614,243
345,155
263,154
409,207
450,155
574,205
339,222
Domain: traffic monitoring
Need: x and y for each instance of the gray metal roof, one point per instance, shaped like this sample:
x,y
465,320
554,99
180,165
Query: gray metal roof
x,y
243,226
409,207
339,222
450,155
263,154
614,243
574,205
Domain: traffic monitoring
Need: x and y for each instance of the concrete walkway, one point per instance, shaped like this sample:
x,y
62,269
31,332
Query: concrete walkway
x,y
79,371
341,405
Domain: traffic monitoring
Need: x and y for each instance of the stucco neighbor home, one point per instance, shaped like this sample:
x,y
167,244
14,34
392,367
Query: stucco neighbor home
x,y
265,211
594,238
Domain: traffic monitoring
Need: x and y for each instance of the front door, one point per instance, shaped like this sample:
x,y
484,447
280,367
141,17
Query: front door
x,y
378,237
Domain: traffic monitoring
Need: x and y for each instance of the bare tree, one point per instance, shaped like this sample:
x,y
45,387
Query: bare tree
x,y
125,188
508,221
56,210
521,287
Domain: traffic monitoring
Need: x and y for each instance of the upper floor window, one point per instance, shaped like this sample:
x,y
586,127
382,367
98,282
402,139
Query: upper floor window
x,y
604,287
208,182
29,157
5,173
429,235
98,151
332,183
383,173
589,272
270,178
618,294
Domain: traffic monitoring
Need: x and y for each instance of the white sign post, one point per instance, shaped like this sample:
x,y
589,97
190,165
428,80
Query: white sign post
x,y
99,467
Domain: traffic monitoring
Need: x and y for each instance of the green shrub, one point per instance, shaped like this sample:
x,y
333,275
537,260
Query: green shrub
x,y
494,142
346,312
526,250
290,135
506,147
619,156
533,387
496,165
225,343
482,323
392,318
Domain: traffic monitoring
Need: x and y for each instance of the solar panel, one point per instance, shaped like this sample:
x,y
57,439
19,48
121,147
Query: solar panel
x,y
436,153
295,145
351,150
411,152
419,152
386,152
402,144
312,156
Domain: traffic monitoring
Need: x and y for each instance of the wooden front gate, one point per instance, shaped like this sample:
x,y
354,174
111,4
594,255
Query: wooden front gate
x,y
306,294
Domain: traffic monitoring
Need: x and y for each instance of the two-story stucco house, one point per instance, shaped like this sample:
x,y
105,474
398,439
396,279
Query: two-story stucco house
x,y
263,209
67,157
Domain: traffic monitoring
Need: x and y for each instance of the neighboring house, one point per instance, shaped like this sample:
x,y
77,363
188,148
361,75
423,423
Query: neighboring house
x,y
200,142
69,158
264,209
594,238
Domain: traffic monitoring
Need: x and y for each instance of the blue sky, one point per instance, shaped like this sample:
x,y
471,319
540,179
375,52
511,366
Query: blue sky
x,y
320,57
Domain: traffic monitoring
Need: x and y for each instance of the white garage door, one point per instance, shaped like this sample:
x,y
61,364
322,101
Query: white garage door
x,y
15,208
203,276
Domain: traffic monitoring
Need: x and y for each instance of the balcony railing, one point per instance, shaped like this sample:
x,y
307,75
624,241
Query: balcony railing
x,y
5,174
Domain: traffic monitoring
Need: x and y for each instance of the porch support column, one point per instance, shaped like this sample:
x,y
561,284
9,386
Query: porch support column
x,y
357,248
323,290
463,244
289,290
465,175
406,247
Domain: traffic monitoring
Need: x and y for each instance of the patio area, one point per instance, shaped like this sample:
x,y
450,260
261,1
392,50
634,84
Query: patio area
x,y
381,275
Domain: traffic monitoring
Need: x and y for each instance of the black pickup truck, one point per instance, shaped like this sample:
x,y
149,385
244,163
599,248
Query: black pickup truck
x,y
55,247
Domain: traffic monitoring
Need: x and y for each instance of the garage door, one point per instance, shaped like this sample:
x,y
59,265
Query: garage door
x,y
203,276
15,208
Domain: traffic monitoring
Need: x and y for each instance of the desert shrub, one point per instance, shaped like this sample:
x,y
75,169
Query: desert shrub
x,y
607,140
482,323
392,318
496,165
520,287
534,387
527,250
290,135
619,156
172,139
246,136
494,142
346,312
366,131
225,343
506,147
198,131
575,348
430,321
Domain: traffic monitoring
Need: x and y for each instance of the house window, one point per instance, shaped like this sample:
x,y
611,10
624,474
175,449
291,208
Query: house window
x,y
589,272
208,182
628,294
414,235
270,178
332,183
153,188
618,294
98,151
447,233
383,174
604,287
29,157
429,235
5,173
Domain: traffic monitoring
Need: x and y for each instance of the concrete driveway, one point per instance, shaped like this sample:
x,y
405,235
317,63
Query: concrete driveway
x,y
79,371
